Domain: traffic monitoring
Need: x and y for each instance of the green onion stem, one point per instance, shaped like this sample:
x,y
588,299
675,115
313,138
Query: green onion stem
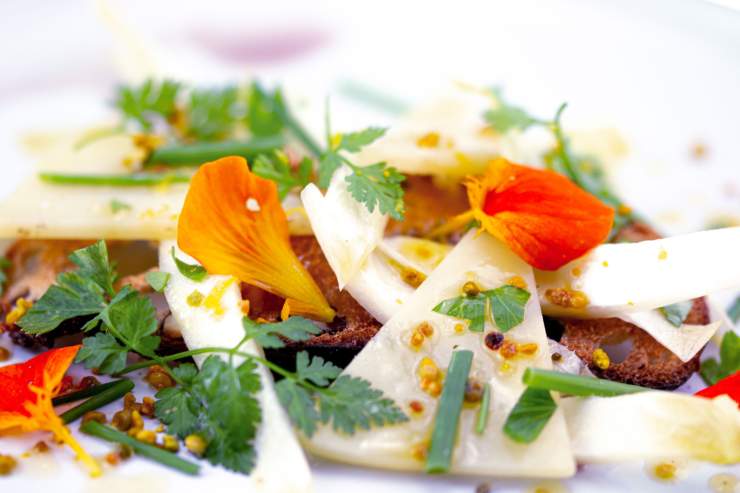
x,y
122,180
294,127
196,154
82,394
448,413
576,384
482,419
115,392
165,458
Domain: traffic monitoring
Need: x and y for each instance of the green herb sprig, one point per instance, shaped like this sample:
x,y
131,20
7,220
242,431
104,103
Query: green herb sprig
x,y
505,304
676,313
4,265
712,371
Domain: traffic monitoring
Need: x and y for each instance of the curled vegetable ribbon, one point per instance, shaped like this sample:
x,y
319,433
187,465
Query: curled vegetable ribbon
x,y
26,391
729,386
232,222
540,215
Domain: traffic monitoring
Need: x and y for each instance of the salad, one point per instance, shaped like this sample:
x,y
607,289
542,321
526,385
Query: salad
x,y
461,293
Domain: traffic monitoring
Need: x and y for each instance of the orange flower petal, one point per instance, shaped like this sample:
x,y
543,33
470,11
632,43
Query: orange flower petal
x,y
26,390
233,224
542,216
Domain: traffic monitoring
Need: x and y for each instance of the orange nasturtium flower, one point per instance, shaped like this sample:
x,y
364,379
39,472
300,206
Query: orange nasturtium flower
x,y
232,222
26,390
542,216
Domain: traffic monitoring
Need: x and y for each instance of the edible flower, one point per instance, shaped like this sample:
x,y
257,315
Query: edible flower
x,y
729,386
26,391
233,224
540,215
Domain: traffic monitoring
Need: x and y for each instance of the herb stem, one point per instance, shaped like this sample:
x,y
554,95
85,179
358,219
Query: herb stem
x,y
115,180
177,155
114,392
165,458
372,97
576,384
448,413
482,419
82,394
294,127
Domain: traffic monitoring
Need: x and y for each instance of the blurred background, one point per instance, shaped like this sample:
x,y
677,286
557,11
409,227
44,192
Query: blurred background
x,y
663,74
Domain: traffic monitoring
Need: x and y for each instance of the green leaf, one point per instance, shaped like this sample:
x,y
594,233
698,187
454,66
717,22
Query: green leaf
x,y
330,162
147,102
353,404
4,264
276,167
734,310
378,185
355,141
506,117
266,335
177,407
213,113
318,371
262,118
117,206
530,415
93,263
299,404
470,308
676,313
193,272
712,370
72,296
157,280
507,304
102,351
133,320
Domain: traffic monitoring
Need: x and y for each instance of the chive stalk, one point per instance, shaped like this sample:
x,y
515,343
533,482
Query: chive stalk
x,y
114,392
481,419
82,394
293,126
195,154
122,180
576,384
448,413
165,458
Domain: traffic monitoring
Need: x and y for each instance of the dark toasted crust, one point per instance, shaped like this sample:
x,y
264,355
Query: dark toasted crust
x,y
648,363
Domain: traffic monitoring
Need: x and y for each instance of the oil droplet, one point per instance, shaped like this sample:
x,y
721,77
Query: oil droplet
x,y
667,471
724,483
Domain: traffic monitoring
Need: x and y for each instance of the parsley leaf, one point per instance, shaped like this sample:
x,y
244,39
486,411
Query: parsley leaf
x,y
712,370
329,163
734,310
317,371
133,321
262,118
378,185
676,313
266,335
148,101
102,351
300,405
355,141
157,280
507,117
530,415
506,305
94,264
276,167
194,272
4,264
213,113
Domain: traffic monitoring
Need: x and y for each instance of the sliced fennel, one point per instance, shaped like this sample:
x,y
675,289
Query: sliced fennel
x,y
345,229
277,448
653,426
636,277
390,363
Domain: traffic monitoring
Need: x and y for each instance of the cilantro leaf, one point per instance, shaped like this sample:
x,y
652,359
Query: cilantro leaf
x,y
329,163
530,415
507,305
266,335
507,117
102,351
4,264
157,280
355,141
177,407
317,371
275,167
712,370
378,185
94,264
72,296
148,101
213,113
262,118
300,405
194,272
676,313
133,321
734,310
470,308
351,403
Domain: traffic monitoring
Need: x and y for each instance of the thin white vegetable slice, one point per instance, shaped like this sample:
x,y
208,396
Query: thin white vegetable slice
x,y
418,253
345,229
653,426
277,448
390,364
634,277
684,341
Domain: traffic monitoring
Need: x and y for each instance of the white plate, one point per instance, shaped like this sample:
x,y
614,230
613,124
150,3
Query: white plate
x,y
664,73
